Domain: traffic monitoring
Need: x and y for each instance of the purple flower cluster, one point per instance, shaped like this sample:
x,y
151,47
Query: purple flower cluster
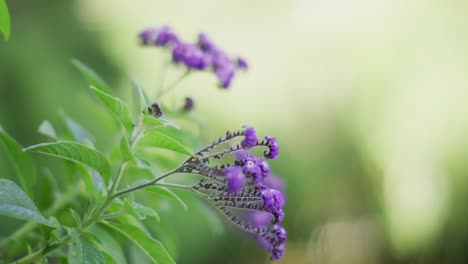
x,y
158,36
235,179
245,184
204,54
250,139
274,148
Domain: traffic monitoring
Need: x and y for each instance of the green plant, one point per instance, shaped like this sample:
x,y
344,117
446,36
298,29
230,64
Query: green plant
x,y
96,199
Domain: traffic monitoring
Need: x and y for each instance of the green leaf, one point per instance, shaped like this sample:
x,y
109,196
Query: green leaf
x,y
4,20
47,130
116,106
139,210
140,98
152,247
93,181
91,76
15,203
108,244
82,251
22,162
75,130
125,149
151,122
160,190
77,153
157,139
76,217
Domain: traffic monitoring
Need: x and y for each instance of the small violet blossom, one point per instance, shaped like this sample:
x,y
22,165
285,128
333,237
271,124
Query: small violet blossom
x,y
203,55
250,138
159,36
235,179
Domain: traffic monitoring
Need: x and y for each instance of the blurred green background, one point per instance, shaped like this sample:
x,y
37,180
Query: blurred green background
x,y
368,100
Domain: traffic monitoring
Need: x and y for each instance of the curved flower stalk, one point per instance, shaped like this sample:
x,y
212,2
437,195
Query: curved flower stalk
x,y
242,185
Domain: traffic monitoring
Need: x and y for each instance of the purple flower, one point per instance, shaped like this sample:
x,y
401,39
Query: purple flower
x,y
241,63
166,36
148,34
240,154
273,199
250,139
221,60
279,242
264,167
275,241
235,179
278,251
251,168
191,55
274,148
159,36
225,76
225,186
274,182
205,43
202,55
260,219
195,58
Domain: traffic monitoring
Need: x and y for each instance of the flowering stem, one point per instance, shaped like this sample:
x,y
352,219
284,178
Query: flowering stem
x,y
146,184
173,185
173,84
216,143
163,75
221,153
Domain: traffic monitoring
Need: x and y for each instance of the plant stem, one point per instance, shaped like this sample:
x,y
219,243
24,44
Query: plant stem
x,y
112,215
56,206
116,182
172,85
173,185
96,216
43,251
146,184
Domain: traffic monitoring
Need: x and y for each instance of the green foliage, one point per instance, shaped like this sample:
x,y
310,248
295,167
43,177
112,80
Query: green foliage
x,y
22,162
150,246
138,210
87,197
4,20
140,97
163,191
108,245
47,129
83,252
126,150
157,139
15,203
77,153
75,131
116,106
92,77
